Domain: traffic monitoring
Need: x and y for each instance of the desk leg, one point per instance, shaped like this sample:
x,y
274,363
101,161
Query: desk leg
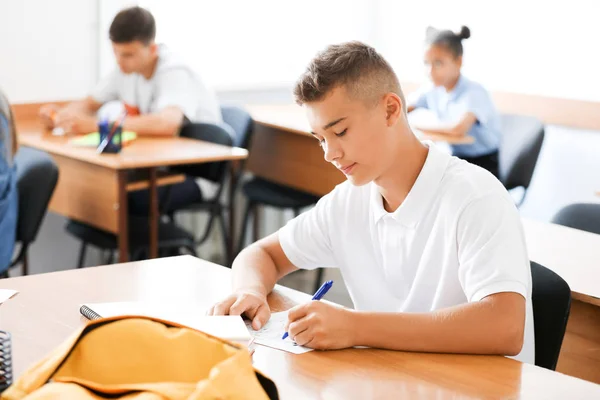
x,y
233,165
153,217
123,233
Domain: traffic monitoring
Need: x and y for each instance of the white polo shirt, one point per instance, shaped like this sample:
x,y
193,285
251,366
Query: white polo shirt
x,y
456,238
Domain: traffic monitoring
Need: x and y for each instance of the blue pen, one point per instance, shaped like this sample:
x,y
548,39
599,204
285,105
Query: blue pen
x,y
318,296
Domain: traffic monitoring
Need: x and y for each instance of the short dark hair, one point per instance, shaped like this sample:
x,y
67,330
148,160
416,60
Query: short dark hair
x,y
451,41
356,66
131,24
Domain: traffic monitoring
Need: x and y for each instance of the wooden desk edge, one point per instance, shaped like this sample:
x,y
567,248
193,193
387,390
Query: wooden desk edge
x,y
28,141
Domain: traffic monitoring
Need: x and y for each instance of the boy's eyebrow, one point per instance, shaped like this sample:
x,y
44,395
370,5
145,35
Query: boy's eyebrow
x,y
331,124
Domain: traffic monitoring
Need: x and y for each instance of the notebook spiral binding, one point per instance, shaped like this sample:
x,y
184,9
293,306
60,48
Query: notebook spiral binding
x,y
89,313
6,370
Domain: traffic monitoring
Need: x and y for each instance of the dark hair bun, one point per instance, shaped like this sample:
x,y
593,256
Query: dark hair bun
x,y
464,33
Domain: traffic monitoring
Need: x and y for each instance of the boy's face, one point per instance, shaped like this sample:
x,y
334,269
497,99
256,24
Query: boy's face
x,y
441,65
134,56
356,138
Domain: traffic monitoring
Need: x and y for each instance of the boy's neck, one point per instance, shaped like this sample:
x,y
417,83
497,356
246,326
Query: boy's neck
x,y
395,185
148,72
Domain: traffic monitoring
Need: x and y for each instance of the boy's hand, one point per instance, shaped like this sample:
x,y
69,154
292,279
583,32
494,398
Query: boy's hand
x,y
319,325
251,304
77,123
48,114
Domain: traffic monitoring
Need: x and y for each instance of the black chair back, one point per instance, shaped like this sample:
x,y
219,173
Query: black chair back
x,y
242,124
583,216
551,300
219,134
522,138
37,175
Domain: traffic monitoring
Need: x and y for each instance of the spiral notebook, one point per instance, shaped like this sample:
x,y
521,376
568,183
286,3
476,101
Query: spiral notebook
x,y
226,327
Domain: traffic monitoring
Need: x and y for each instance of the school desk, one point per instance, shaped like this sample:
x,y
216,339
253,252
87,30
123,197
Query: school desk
x,y
282,138
92,188
46,312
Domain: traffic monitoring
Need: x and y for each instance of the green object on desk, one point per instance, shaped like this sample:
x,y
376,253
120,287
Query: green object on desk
x,y
93,139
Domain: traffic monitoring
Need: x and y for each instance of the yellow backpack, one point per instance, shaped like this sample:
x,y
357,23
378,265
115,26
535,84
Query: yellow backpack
x,y
137,358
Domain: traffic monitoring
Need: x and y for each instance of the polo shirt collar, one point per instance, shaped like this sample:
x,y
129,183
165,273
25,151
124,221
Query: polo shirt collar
x,y
420,196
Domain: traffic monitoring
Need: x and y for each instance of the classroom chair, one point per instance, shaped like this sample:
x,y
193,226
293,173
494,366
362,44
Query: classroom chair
x,y
215,172
239,126
37,175
551,301
521,142
171,237
583,216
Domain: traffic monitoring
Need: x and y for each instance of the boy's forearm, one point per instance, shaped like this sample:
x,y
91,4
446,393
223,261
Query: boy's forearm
x,y
255,271
86,106
473,328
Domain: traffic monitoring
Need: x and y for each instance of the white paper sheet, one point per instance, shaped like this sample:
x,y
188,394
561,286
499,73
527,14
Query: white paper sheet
x,y
6,294
270,335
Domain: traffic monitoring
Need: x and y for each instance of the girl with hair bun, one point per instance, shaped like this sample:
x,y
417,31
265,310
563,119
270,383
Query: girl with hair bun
x,y
463,107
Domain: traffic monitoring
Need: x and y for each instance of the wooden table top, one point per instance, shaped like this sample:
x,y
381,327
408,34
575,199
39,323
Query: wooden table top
x,y
144,152
46,312
572,253
290,117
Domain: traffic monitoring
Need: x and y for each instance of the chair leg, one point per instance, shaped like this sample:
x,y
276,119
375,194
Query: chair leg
x,y
110,258
225,236
81,258
256,223
25,265
247,215
319,279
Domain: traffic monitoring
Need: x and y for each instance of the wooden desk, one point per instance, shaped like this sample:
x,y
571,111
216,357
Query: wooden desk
x,y
92,188
282,138
46,312
574,255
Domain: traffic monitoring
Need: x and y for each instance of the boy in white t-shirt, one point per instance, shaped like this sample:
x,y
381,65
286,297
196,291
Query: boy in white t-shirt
x,y
158,90
430,247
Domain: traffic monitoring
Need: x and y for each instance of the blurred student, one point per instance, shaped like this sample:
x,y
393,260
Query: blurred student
x,y
8,187
462,107
158,90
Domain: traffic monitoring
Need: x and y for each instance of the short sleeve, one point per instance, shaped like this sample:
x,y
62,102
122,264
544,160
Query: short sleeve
x,y
108,88
305,240
418,98
176,88
492,252
479,102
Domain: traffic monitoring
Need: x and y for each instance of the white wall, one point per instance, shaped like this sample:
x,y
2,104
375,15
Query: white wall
x,y
534,46
48,49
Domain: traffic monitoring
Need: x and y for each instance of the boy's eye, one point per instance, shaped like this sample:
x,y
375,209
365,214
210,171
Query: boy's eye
x,y
342,133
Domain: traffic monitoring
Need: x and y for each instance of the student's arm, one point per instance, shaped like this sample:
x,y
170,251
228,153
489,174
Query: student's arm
x,y
256,270
494,325
493,272
163,123
73,113
303,243
418,98
459,130
79,116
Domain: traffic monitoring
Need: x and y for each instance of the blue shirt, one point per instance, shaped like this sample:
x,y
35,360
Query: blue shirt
x,y
8,196
450,107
